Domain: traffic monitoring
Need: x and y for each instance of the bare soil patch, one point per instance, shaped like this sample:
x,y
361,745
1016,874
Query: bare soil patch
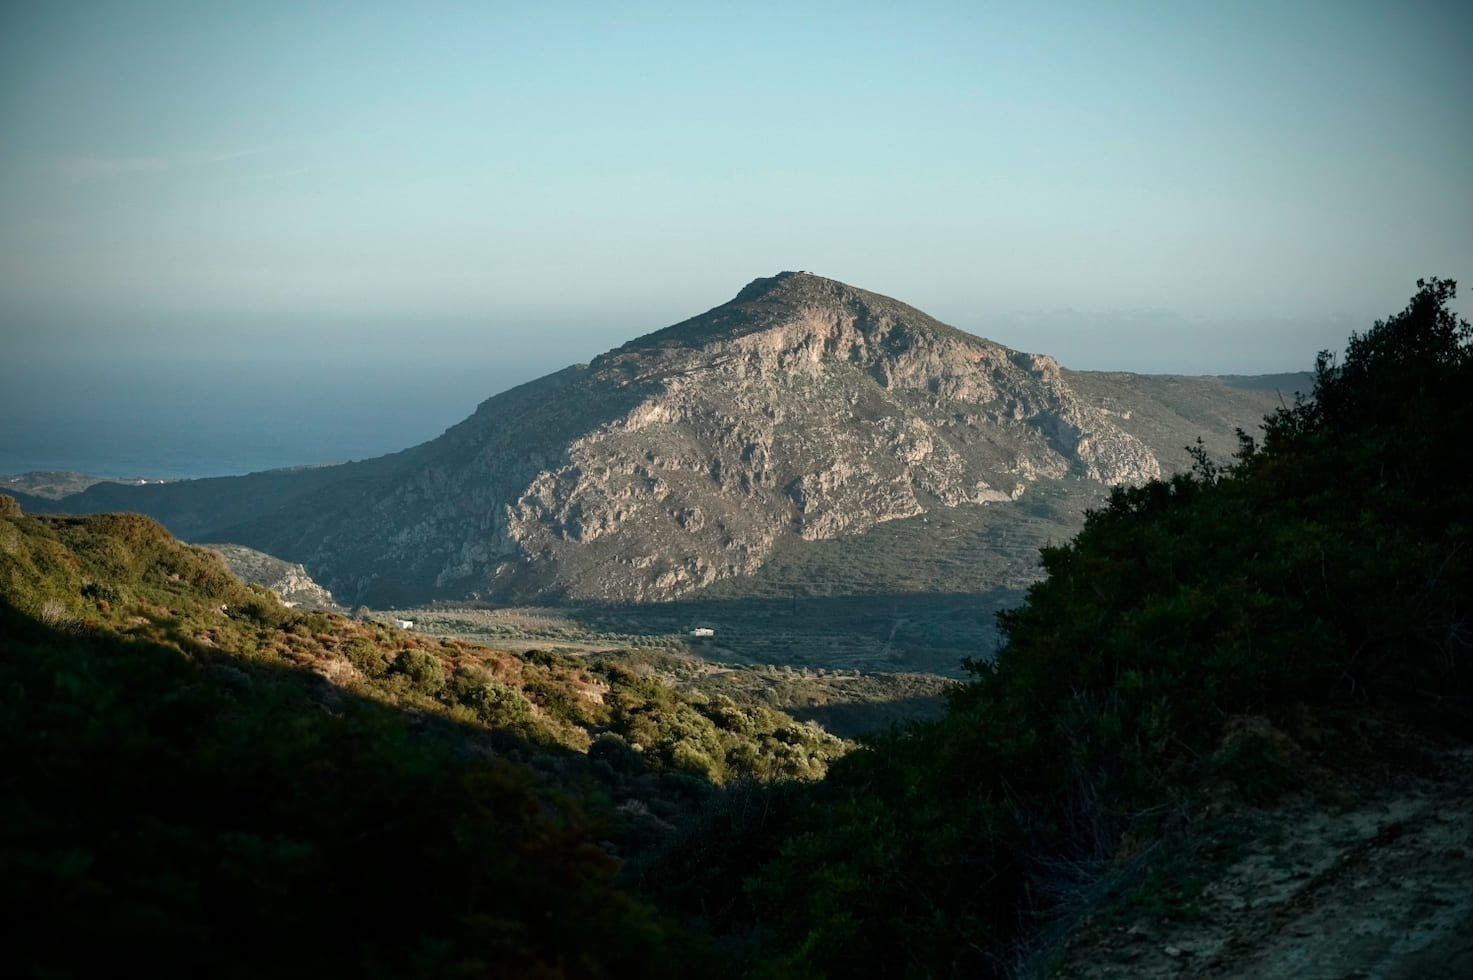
x,y
1373,885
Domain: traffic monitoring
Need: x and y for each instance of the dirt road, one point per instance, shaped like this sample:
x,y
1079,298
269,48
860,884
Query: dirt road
x,y
1378,888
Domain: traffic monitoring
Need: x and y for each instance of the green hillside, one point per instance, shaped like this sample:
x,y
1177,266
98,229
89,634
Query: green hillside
x,y
201,781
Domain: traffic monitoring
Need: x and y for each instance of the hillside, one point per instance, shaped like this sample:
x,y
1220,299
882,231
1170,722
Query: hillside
x,y
201,781
1227,734
52,484
803,411
290,582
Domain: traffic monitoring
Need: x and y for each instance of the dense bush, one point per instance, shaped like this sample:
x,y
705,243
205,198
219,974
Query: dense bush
x,y
182,792
186,790
1328,569
205,816
714,738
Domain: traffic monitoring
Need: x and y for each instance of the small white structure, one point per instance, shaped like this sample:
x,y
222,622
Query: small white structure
x,y
404,624
701,631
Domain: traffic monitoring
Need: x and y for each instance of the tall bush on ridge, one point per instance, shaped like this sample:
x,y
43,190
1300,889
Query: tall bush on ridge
x,y
1332,564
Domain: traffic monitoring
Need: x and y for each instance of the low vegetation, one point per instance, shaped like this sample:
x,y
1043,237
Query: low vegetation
x,y
878,634
202,780
1317,583
55,484
764,653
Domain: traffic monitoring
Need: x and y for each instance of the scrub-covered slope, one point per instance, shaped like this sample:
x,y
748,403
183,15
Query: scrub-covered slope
x,y
200,781
1267,637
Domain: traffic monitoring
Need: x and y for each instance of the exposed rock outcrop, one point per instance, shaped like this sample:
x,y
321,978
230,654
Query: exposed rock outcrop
x,y
803,407
288,580
802,410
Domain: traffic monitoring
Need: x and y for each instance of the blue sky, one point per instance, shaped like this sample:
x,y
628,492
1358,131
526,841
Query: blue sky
x,y
1197,188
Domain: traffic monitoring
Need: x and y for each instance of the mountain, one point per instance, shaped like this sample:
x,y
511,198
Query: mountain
x,y
1228,734
289,581
803,410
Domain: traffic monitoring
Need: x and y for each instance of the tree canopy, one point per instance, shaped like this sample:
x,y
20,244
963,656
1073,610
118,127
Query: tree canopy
x,y
1325,572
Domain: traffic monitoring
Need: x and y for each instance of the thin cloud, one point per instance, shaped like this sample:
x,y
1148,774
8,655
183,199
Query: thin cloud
x,y
280,174
236,154
79,169
83,169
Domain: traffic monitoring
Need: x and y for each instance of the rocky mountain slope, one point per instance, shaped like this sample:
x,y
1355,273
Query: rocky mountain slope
x,y
289,581
803,410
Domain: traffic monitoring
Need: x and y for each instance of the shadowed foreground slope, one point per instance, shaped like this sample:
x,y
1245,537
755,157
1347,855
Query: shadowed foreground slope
x,y
199,781
185,790
1207,645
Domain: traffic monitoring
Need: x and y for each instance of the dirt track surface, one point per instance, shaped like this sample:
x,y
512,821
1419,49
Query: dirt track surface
x,y
1381,888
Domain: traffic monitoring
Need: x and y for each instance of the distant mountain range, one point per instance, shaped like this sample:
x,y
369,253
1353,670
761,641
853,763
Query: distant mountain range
x,y
801,412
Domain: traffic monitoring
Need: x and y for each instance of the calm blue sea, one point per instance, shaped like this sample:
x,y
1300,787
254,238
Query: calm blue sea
x,y
219,420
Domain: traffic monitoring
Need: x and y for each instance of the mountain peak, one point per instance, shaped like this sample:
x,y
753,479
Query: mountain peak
x,y
766,285
803,288
794,303
803,409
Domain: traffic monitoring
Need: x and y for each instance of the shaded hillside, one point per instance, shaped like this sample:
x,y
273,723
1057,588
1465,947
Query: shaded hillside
x,y
192,509
1170,413
804,410
1287,384
1281,639
200,781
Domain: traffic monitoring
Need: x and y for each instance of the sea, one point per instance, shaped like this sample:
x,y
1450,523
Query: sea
x,y
223,420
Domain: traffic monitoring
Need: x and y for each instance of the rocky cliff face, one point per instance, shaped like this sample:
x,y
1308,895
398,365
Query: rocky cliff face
x,y
802,410
289,581
803,407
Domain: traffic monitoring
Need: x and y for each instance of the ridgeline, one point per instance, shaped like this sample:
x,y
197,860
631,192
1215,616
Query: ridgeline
x,y
200,780
803,411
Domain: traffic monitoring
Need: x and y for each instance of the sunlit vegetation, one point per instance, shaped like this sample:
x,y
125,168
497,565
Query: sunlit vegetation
x,y
204,781
548,628
201,780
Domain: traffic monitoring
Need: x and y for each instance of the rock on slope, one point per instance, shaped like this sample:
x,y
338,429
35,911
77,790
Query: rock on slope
x,y
804,409
289,581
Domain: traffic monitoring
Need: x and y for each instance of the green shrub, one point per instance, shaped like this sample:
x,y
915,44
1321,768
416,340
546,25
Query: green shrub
x,y
1330,566
424,671
260,606
368,657
497,705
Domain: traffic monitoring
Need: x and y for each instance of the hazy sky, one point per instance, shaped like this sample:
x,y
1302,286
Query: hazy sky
x,y
1192,187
